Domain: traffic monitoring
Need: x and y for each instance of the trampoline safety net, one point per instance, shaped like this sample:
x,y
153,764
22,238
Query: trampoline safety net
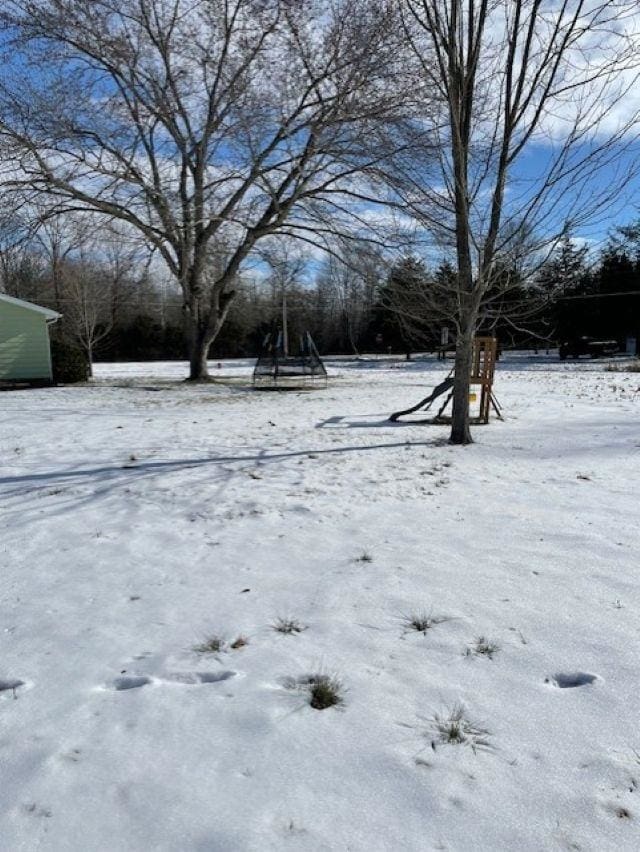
x,y
274,368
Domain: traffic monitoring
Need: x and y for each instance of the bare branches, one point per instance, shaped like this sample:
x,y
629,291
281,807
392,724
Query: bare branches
x,y
517,78
193,120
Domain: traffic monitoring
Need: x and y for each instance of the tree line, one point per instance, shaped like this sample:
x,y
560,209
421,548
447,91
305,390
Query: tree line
x,y
121,307
212,135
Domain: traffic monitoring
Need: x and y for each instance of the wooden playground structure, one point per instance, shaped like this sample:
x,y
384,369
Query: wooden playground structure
x,y
483,365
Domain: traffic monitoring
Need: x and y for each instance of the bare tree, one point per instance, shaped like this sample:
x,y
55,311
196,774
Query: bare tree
x,y
517,79
20,274
86,302
92,277
286,266
353,281
196,121
58,239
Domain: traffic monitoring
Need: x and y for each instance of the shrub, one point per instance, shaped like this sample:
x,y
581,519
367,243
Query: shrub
x,y
69,363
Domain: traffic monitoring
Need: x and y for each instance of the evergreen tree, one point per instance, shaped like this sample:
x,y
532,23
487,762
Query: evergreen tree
x,y
394,326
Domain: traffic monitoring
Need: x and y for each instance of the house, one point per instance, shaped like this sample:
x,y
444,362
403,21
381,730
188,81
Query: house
x,y
25,349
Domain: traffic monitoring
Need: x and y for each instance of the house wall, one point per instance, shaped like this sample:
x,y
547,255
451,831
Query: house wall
x,y
25,352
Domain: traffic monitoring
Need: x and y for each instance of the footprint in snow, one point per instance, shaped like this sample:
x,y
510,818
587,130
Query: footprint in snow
x,y
132,682
570,680
186,678
198,677
11,684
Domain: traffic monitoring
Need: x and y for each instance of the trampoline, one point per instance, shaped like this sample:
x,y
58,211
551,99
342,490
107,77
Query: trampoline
x,y
278,369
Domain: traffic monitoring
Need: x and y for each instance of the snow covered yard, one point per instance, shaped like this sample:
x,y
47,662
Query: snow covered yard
x,y
142,518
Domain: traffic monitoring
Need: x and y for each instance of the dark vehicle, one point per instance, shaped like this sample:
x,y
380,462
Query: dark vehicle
x,y
587,346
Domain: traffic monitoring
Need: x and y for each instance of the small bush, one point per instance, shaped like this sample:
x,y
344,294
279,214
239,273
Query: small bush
x,y
212,645
288,626
69,364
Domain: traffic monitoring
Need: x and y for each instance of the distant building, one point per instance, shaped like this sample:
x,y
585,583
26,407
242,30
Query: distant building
x,y
25,348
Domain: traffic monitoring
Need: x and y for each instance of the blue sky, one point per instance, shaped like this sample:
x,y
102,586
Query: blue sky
x,y
622,207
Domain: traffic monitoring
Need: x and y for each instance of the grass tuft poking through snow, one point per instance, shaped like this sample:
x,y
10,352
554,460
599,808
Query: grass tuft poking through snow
x,y
482,647
240,642
324,690
421,622
212,645
365,556
455,728
288,626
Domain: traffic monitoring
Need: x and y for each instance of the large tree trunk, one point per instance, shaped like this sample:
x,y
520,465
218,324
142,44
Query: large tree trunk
x,y
199,351
199,341
197,322
460,432
205,317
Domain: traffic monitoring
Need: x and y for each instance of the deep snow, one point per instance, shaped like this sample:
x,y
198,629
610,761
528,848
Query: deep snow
x,y
140,516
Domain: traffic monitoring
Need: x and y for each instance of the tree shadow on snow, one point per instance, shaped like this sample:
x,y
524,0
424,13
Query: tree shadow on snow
x,y
72,483
359,421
